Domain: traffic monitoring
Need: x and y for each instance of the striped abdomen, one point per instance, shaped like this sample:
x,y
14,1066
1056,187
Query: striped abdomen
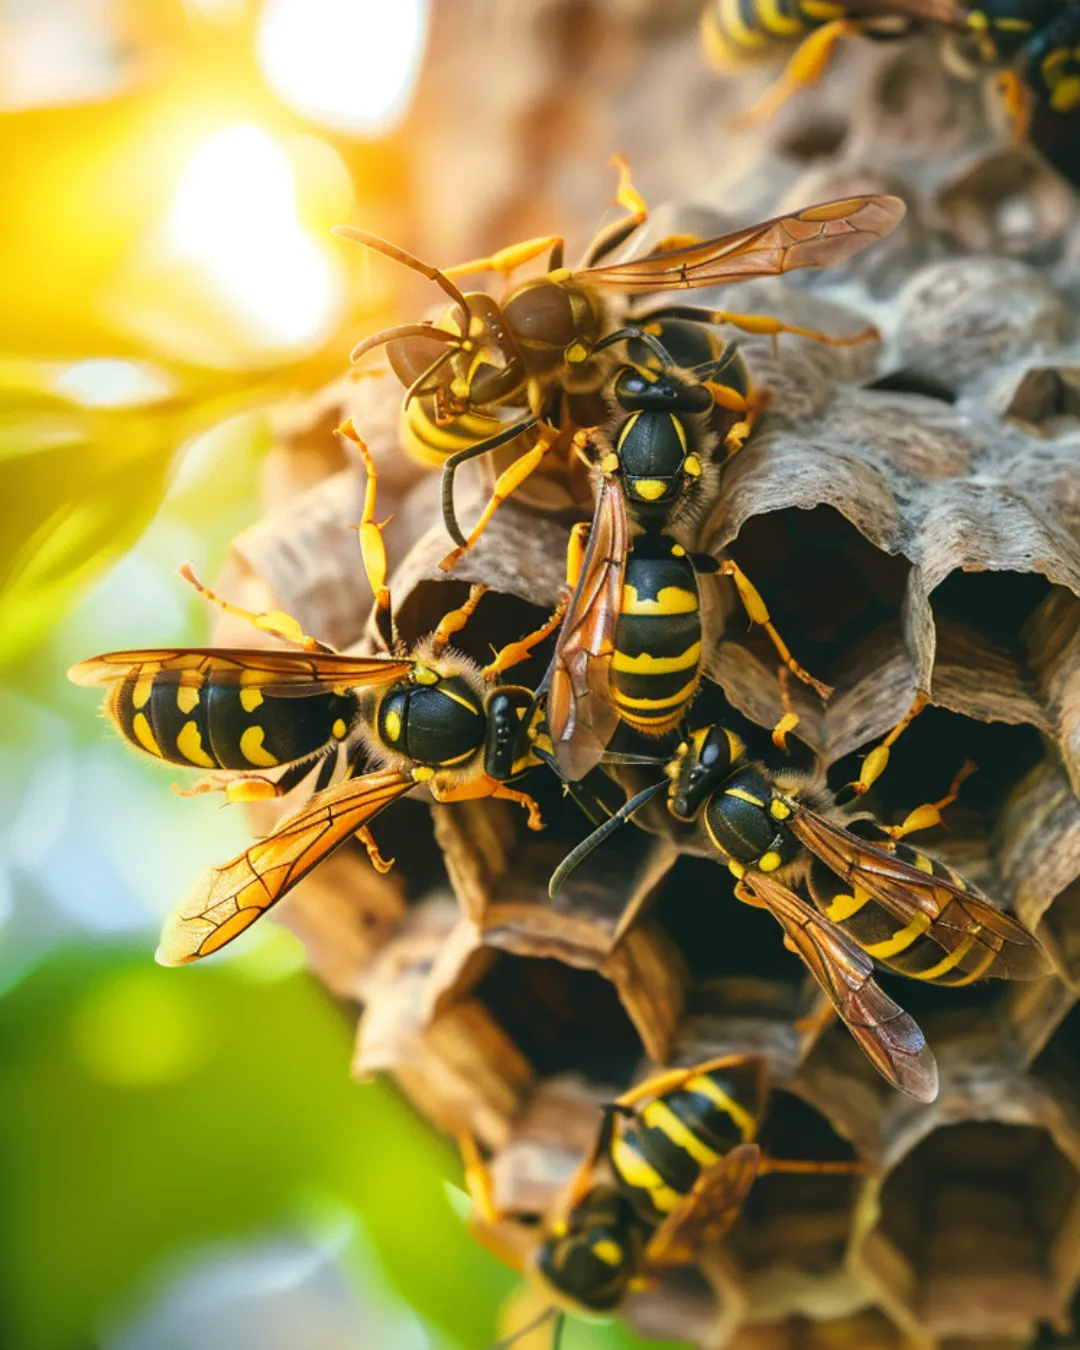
x,y
657,662
217,725
904,948
736,31
431,444
657,1154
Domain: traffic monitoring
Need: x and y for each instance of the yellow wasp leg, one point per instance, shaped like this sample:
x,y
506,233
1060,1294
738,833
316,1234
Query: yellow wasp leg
x,y
805,69
506,484
1017,105
456,620
929,814
248,788
576,548
790,719
670,1080
516,652
873,766
732,401
478,1179
372,548
816,1021
626,195
758,613
380,864
274,621
763,324
488,787
834,1169
506,260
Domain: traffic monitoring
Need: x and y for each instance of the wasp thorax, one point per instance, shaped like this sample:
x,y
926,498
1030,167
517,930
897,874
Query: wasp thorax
x,y
642,390
434,720
745,822
702,766
592,1257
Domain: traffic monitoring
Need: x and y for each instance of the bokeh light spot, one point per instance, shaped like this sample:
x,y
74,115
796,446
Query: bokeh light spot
x,y
349,63
105,383
142,1029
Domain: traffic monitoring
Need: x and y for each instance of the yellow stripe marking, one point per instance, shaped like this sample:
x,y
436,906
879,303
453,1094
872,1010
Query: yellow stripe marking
x,y
460,700
779,810
680,431
708,1087
251,747
624,701
1013,25
902,940
844,906
140,695
250,699
608,1251
627,428
656,665
457,759
422,675
658,1115
733,27
950,962
649,489
979,970
339,729
187,697
671,600
636,1172
783,25
825,10
769,862
141,728
744,796
392,724
189,743
1065,95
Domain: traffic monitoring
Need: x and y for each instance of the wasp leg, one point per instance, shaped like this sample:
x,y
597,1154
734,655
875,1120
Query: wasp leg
x,y
1017,105
873,766
611,236
380,864
929,814
758,612
488,787
816,1021
516,652
506,484
793,1165
478,1179
765,325
456,619
790,719
453,463
670,1080
508,259
273,621
805,69
251,787
372,548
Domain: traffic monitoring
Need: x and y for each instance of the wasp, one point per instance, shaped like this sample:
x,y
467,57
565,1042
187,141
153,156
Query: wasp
x,y
427,717
492,371
779,832
631,647
1033,44
674,1159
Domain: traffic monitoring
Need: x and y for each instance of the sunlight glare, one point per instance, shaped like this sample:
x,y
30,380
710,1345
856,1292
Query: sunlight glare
x,y
235,217
349,63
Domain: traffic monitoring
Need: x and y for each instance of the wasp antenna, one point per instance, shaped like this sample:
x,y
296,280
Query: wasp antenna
x,y
372,241
579,854
532,1326
426,375
405,330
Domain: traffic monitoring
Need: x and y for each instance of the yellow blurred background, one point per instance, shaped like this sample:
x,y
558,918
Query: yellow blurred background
x,y
185,1162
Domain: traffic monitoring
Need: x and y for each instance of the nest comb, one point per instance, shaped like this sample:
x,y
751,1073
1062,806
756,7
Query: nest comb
x,y
911,514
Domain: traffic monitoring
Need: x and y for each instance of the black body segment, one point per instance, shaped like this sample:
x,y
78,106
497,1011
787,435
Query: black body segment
x,y
590,1257
439,723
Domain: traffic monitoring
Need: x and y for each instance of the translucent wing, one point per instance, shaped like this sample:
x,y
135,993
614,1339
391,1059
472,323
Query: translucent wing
x,y
226,900
888,1036
819,236
982,940
580,713
708,1212
273,670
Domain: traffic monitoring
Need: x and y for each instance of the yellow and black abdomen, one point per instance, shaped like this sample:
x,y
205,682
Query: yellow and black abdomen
x,y
656,666
902,947
734,32
216,725
658,1153
431,444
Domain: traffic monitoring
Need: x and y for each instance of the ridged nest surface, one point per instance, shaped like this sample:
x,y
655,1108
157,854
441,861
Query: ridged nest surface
x,y
911,512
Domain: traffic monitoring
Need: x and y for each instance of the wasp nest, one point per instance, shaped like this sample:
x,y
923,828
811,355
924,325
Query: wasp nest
x,y
910,511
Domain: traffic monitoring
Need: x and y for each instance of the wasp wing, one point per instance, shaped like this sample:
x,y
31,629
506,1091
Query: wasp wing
x,y
708,1212
888,1036
225,900
581,716
819,236
982,940
280,672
